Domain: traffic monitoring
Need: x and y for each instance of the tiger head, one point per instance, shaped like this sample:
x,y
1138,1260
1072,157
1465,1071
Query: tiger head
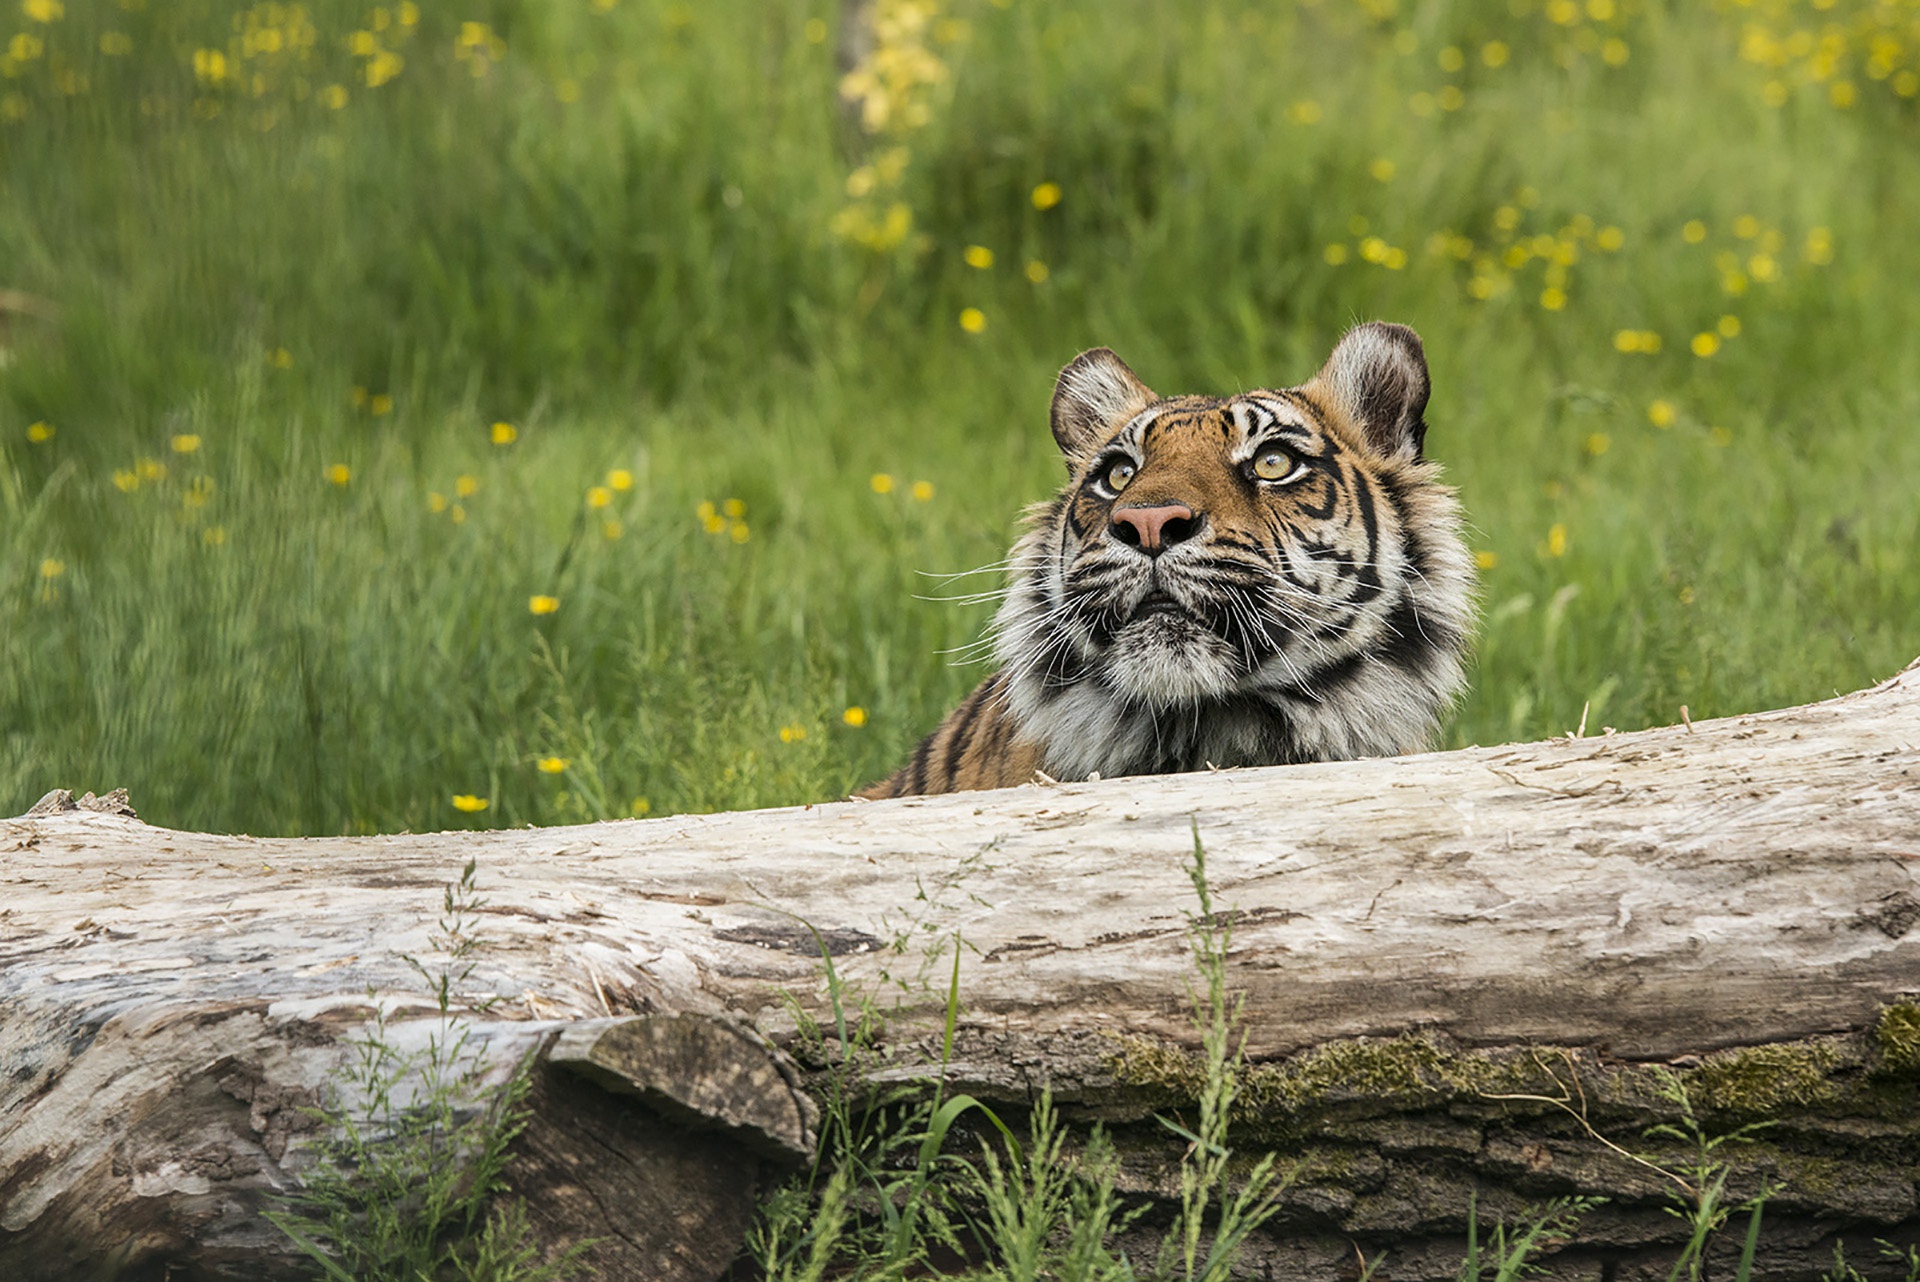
x,y
1270,577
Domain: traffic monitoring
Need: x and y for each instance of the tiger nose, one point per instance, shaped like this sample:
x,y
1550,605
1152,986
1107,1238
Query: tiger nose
x,y
1154,529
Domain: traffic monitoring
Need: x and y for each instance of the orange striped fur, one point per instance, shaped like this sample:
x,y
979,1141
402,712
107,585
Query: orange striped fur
x,y
1271,577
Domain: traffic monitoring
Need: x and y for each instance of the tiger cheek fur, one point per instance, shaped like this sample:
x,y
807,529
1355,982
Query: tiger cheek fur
x,y
1260,579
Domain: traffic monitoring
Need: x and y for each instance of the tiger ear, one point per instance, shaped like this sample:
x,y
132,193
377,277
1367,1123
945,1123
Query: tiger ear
x,y
1095,394
1377,376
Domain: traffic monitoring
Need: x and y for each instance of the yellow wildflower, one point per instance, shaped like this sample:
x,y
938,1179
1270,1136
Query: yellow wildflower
x,y
504,434
52,569
543,604
1557,540
855,717
185,443
1705,344
466,486
978,257
1661,413
881,483
599,496
1729,327
973,320
1599,443
436,502
338,473
382,67
126,481
1046,196
1486,560
922,490
1693,231
39,433
733,509
792,732
1036,271
739,532
380,404
620,479
467,802
552,765
209,66
43,10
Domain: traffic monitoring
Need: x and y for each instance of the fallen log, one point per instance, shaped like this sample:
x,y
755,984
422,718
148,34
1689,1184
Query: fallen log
x,y
1432,951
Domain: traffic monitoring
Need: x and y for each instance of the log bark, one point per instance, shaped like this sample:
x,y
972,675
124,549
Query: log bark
x,y
1418,940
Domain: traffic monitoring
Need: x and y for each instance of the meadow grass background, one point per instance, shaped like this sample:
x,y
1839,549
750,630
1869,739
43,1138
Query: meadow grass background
x,y
378,328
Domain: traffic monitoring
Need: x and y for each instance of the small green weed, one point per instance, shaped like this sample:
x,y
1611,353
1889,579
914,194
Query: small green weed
x,y
406,1185
1507,1254
885,1197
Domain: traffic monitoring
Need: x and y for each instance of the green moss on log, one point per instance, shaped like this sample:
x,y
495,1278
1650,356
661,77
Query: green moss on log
x,y
1897,1038
1760,1081
1341,1081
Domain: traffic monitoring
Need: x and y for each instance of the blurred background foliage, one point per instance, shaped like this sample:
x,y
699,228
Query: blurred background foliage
x,y
437,415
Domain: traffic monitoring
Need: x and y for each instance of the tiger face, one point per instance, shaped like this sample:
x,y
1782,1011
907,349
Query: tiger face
x,y
1270,577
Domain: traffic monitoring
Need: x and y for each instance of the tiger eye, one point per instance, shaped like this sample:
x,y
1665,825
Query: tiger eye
x,y
1272,465
1119,474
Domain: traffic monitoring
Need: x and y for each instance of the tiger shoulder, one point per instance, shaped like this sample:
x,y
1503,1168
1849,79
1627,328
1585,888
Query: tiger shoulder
x,y
1268,578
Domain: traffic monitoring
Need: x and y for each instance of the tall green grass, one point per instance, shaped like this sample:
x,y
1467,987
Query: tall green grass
x,y
616,237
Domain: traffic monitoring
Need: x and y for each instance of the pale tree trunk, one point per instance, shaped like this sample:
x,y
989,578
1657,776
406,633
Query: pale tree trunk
x,y
1417,941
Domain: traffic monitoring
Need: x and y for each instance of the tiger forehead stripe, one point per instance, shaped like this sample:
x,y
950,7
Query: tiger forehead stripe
x,y
1261,421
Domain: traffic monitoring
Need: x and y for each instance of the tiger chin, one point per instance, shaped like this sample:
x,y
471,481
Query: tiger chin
x,y
1261,579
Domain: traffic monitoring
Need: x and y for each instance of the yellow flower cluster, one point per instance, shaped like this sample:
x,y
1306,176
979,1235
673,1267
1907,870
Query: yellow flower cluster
x,y
1507,251
1815,43
374,43
891,85
883,483
1751,254
891,89
276,55
619,480
479,47
272,52
378,404
729,519
465,486
1582,29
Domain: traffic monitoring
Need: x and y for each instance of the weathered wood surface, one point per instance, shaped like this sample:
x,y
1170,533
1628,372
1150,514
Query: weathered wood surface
x,y
1648,896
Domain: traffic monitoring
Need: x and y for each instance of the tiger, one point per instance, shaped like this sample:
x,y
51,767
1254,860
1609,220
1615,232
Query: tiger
x,y
1263,579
